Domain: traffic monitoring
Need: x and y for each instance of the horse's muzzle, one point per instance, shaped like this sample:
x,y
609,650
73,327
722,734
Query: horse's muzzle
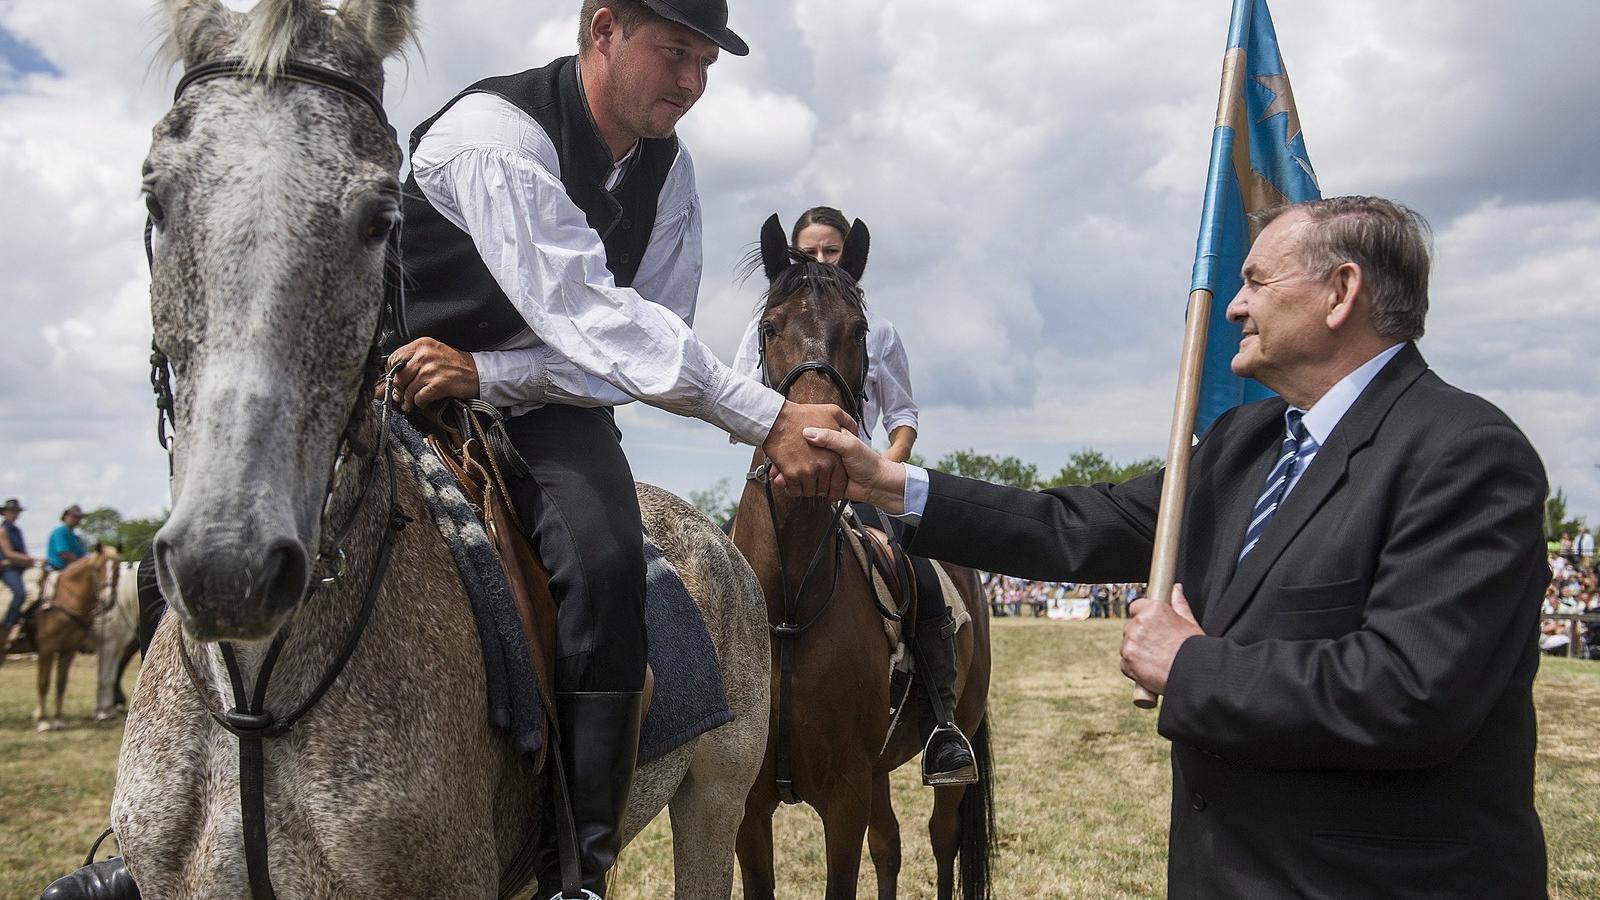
x,y
230,588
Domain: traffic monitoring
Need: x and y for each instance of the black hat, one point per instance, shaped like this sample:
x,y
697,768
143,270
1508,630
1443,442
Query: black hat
x,y
709,17
11,505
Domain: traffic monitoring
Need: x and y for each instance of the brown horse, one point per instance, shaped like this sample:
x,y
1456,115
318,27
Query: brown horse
x,y
64,622
829,742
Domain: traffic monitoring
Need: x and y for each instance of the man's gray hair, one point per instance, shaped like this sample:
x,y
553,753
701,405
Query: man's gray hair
x,y
1391,243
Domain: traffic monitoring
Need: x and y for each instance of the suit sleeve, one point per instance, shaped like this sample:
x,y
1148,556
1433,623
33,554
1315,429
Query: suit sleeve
x,y
1097,533
1449,617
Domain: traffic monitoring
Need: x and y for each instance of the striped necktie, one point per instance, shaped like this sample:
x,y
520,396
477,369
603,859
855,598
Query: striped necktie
x,y
1297,443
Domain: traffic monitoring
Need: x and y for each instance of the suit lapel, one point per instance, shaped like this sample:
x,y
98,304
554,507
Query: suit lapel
x,y
1327,471
1233,509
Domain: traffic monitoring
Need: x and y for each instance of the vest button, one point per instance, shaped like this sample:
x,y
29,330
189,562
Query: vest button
x,y
483,324
1198,801
627,224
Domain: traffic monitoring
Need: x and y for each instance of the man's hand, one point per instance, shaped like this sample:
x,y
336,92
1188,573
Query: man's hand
x,y
803,469
432,372
1151,639
873,479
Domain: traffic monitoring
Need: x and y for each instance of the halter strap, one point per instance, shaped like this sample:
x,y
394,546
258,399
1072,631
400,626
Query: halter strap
x,y
293,70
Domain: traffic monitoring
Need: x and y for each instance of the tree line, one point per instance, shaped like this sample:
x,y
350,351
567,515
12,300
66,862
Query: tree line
x,y
1088,466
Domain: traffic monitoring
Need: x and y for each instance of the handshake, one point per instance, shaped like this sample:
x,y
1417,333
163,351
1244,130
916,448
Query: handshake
x,y
816,452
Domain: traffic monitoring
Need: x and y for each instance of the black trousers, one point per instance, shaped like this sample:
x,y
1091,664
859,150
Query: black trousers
x,y
927,578
582,515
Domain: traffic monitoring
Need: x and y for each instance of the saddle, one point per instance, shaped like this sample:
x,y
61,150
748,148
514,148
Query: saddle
x,y
888,568
469,438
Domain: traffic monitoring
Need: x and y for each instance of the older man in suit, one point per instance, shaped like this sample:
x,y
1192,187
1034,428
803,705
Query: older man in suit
x,y
1348,663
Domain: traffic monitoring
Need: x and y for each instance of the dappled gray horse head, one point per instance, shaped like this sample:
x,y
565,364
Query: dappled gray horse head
x,y
271,200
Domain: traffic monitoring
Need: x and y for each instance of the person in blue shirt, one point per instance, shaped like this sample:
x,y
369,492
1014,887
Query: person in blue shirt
x,y
65,546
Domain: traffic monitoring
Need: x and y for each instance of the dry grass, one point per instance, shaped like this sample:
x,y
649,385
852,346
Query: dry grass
x,y
1081,786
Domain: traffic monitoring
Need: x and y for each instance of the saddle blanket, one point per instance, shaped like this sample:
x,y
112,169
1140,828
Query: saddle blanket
x,y
689,697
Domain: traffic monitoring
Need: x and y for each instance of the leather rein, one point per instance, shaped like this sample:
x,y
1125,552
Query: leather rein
x,y
249,720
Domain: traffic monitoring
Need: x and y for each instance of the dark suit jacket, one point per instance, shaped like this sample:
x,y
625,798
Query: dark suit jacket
x,y
1358,719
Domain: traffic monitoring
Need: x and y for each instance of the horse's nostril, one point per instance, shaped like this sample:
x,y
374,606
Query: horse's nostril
x,y
283,577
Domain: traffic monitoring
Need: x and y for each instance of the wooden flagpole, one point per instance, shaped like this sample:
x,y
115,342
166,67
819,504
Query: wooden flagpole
x,y
1174,484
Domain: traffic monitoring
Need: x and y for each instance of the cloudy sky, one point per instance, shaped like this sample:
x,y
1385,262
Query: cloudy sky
x,y
1032,172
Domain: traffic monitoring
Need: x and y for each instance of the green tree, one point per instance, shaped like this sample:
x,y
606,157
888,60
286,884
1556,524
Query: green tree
x,y
136,535
718,502
985,467
100,525
1557,518
1090,466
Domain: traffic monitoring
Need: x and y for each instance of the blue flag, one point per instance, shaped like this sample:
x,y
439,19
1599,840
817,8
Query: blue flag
x,y
1258,160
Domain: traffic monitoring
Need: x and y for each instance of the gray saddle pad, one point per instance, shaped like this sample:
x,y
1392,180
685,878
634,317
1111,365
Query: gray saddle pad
x,y
689,698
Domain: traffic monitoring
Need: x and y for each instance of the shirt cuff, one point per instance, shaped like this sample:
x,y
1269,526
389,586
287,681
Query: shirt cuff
x,y
916,499
511,378
744,408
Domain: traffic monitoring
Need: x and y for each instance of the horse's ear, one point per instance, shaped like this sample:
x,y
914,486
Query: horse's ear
x,y
774,247
853,258
386,25
193,27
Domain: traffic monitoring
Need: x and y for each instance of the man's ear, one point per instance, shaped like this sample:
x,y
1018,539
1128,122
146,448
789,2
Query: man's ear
x,y
604,30
853,258
1344,288
774,247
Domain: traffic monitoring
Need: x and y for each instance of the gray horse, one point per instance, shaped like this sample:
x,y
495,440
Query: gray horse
x,y
271,201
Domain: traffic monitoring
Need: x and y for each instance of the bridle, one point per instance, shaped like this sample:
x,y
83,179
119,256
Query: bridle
x,y
249,720
790,629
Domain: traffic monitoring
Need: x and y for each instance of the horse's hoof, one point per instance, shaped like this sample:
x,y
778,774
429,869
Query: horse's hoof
x,y
42,725
58,725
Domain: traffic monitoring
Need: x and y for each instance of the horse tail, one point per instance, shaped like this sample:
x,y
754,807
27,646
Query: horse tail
x,y
976,814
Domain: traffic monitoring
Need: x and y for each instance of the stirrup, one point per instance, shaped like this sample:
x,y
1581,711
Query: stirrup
x,y
964,775
586,895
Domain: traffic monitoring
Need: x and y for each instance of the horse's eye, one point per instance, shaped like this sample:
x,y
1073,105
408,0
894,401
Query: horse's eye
x,y
153,206
381,224
768,330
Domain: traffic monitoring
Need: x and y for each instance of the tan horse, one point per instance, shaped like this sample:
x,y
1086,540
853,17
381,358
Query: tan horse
x,y
64,622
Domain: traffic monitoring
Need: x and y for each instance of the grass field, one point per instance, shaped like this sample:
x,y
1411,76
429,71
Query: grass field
x,y
1081,786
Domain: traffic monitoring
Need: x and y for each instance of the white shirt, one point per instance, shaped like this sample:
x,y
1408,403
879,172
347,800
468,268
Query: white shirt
x,y
492,171
888,374
1319,420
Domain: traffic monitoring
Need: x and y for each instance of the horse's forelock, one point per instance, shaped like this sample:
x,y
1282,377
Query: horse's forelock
x,y
794,279
276,28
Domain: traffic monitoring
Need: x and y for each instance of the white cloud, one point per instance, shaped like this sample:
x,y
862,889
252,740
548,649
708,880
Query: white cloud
x,y
1031,172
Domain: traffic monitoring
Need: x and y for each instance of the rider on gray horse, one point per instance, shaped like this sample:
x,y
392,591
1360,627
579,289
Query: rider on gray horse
x,y
553,238
552,245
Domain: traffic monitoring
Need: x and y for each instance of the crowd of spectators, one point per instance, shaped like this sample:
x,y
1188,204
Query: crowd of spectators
x,y
1574,589
1009,596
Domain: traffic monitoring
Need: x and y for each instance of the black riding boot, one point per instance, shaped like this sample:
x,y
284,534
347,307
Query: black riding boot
x,y
947,758
599,750
105,880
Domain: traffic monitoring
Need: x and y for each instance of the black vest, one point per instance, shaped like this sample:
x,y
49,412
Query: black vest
x,y
450,294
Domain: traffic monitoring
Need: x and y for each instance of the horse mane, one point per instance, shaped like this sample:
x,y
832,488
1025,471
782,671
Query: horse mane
x,y
792,278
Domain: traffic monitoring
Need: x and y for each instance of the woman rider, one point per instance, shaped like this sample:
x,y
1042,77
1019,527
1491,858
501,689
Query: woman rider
x,y
819,233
